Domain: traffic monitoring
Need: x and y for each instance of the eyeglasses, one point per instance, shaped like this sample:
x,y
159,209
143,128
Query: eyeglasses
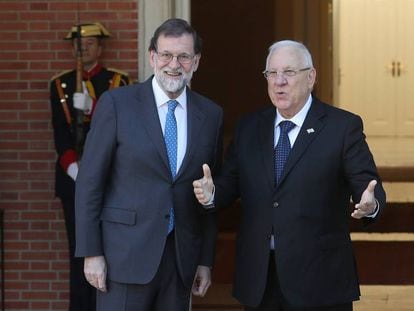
x,y
284,73
181,58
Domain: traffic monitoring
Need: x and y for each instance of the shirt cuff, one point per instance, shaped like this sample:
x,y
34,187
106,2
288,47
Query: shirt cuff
x,y
210,203
375,212
73,170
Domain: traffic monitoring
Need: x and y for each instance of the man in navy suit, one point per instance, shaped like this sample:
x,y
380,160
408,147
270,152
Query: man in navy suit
x,y
294,251
71,116
146,241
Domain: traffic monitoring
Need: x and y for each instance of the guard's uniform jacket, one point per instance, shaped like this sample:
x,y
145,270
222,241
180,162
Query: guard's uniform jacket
x,y
62,87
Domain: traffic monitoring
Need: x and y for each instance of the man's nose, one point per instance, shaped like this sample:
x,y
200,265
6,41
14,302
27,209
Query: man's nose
x,y
280,79
174,63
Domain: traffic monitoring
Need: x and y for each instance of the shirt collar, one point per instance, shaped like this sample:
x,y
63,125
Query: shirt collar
x,y
161,98
97,68
298,118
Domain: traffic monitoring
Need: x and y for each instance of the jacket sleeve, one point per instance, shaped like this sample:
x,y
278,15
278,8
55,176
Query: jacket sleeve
x,y
92,178
359,165
210,222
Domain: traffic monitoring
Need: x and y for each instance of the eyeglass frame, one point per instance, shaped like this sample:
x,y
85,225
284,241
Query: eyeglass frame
x,y
288,73
171,57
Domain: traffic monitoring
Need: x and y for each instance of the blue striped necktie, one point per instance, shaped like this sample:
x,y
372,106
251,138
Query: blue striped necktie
x,y
170,137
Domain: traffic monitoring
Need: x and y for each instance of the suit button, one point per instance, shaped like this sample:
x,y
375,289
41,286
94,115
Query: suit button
x,y
167,216
275,204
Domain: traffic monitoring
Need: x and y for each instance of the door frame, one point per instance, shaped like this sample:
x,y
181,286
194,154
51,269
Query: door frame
x,y
151,13
336,52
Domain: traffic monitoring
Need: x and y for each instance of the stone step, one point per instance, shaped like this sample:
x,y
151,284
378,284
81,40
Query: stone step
x,y
373,298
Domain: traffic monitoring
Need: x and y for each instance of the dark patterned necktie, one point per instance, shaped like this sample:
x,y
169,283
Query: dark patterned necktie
x,y
282,148
170,137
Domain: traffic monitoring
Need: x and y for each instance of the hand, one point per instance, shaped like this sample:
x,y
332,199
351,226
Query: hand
x,y
203,188
83,101
202,281
73,170
95,272
368,203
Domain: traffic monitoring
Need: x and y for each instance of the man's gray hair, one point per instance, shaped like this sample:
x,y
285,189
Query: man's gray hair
x,y
307,57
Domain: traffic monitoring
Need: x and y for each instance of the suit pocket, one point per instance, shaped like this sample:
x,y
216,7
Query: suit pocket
x,y
123,216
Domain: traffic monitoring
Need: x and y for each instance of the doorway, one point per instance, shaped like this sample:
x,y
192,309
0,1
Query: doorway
x,y
373,75
237,34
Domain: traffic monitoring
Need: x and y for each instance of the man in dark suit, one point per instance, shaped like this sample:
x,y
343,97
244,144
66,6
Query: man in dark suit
x,y
146,240
70,132
295,165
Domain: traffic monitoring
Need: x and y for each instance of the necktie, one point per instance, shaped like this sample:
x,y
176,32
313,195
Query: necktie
x,y
170,137
282,148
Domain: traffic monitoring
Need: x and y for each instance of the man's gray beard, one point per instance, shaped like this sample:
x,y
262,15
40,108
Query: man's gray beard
x,y
173,85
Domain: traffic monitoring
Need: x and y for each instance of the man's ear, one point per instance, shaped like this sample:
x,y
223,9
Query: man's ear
x,y
196,62
152,58
312,78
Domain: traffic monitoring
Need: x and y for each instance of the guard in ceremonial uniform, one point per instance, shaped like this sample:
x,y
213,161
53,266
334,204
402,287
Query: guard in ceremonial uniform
x,y
71,115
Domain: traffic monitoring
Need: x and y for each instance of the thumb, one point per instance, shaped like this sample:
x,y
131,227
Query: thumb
x,y
206,171
102,284
371,185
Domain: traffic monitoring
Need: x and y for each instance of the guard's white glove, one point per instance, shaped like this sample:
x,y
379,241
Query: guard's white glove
x,y
73,170
83,101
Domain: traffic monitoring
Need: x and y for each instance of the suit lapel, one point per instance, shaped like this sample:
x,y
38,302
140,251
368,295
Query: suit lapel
x,y
147,114
266,138
195,120
311,128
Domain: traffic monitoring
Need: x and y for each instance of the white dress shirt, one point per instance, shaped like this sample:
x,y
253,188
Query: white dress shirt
x,y
161,100
298,119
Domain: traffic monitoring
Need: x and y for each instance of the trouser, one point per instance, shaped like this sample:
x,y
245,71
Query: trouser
x,y
165,292
273,299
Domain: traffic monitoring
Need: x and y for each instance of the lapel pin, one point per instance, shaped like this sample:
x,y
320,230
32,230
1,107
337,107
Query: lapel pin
x,y
311,130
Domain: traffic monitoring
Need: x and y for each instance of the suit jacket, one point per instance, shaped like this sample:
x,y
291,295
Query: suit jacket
x,y
125,189
62,87
308,212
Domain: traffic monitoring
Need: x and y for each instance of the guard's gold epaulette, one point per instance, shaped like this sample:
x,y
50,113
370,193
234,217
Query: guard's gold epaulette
x,y
124,73
60,74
